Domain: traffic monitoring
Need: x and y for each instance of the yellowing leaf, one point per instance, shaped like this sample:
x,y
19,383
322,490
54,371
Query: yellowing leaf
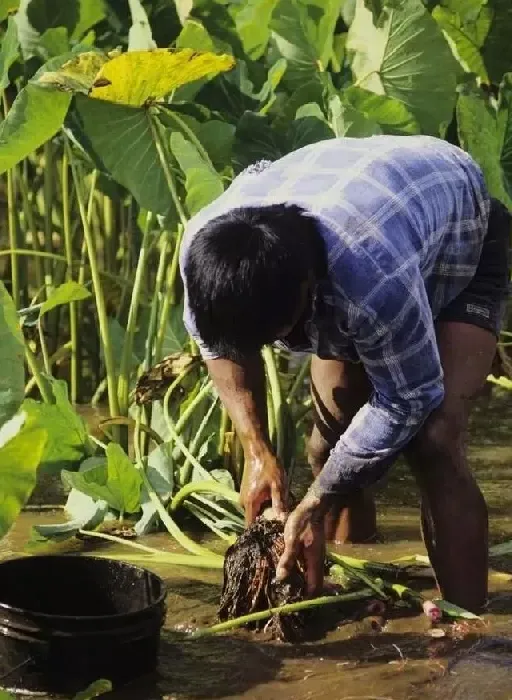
x,y
137,77
76,75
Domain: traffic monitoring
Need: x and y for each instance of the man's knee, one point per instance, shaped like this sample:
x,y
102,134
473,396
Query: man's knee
x,y
442,434
318,451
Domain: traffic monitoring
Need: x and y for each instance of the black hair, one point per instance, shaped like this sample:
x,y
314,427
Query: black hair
x,y
244,273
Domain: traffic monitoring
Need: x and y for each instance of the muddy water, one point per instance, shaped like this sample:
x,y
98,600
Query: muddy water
x,y
351,659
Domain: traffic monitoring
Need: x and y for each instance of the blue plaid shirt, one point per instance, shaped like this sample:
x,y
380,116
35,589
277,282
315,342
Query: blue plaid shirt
x,y
403,219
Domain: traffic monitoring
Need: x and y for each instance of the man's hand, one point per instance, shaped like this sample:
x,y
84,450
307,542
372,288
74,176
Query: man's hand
x,y
263,482
304,539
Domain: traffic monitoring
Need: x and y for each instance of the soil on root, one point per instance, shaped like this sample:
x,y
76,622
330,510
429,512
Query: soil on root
x,y
249,581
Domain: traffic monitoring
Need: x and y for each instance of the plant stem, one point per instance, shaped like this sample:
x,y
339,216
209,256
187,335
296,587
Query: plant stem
x,y
187,466
123,383
299,380
108,352
202,487
202,562
363,594
12,224
188,131
277,400
39,378
189,411
73,318
154,125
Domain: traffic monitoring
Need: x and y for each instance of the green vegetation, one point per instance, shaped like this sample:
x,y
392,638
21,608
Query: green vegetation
x,y
121,121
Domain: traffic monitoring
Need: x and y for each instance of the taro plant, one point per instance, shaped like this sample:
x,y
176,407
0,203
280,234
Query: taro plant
x,y
121,121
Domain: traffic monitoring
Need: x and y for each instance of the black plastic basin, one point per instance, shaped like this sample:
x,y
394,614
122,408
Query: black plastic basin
x,y
66,621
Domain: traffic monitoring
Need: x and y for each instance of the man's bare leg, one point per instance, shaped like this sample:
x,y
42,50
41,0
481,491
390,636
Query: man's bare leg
x,y
454,513
339,390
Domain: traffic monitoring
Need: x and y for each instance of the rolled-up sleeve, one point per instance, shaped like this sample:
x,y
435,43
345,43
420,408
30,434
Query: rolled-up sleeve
x,y
395,339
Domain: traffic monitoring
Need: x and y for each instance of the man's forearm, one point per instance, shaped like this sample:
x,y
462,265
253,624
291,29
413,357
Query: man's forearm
x,y
242,390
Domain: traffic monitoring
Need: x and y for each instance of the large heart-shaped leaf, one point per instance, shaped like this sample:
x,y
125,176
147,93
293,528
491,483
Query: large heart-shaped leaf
x,y
19,460
68,442
202,182
463,45
8,52
137,77
394,57
12,350
496,51
294,34
486,133
121,138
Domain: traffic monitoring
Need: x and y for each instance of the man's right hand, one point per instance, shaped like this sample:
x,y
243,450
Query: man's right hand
x,y
264,481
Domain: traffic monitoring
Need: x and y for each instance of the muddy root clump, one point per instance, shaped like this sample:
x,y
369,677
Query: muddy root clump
x,y
249,581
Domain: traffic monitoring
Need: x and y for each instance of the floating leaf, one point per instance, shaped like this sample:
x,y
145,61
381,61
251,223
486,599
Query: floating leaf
x,y
64,294
19,460
202,182
394,58
12,349
8,52
136,77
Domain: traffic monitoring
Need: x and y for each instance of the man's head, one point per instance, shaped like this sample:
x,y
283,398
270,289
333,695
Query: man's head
x,y
249,275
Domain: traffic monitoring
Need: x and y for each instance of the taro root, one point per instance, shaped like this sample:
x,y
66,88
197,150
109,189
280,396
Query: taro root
x,y
250,585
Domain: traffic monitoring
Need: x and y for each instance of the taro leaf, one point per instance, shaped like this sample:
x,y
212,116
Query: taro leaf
x,y
175,335
255,139
217,138
463,46
325,27
91,13
136,77
203,184
468,10
68,442
34,17
122,140
194,36
8,7
394,58
307,130
452,610
487,135
161,477
253,25
64,294
496,51
35,117
140,37
294,34
8,52
75,75
348,121
119,483
12,348
391,115
19,460
94,690
54,42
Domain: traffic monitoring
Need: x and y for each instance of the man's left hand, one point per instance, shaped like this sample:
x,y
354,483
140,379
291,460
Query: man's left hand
x,y
304,539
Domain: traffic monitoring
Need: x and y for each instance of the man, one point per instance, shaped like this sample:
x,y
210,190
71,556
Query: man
x,y
385,258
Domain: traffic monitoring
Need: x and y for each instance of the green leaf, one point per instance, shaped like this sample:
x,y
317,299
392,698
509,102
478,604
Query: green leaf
x,y
19,460
119,483
308,129
121,138
486,134
12,351
91,13
203,184
255,139
394,58
64,294
194,36
8,52
217,138
34,17
253,25
391,115
347,121
68,442
160,474
496,51
325,26
294,35
451,610
463,47
140,37
94,690
8,7
35,117
54,42
175,335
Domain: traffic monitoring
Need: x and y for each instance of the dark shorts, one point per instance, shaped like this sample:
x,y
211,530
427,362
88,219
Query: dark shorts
x,y
483,302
